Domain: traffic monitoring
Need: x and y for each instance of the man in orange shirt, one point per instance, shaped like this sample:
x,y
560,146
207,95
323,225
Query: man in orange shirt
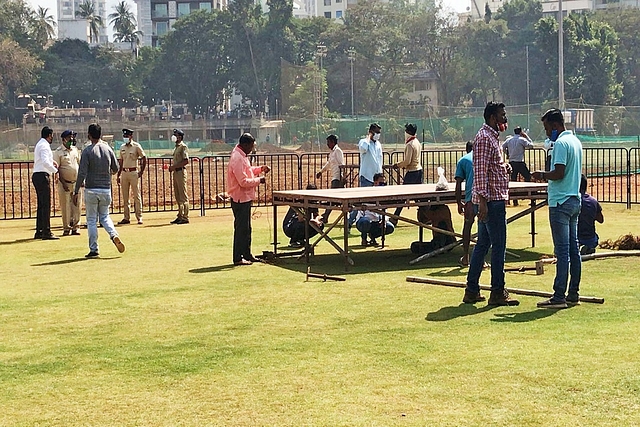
x,y
243,180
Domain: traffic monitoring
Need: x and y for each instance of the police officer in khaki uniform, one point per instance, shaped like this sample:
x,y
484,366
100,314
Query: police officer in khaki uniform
x,y
67,156
129,175
179,169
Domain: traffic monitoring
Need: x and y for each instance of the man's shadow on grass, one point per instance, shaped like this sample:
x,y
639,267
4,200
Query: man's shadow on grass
x,y
449,313
214,268
524,317
158,225
71,261
14,242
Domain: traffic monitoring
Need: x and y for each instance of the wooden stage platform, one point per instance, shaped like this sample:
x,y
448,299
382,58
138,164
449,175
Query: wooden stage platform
x,y
381,200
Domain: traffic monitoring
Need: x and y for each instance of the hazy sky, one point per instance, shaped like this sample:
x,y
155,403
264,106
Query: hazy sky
x,y
457,5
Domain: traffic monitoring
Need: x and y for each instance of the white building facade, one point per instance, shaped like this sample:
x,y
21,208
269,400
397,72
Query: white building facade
x,y
72,27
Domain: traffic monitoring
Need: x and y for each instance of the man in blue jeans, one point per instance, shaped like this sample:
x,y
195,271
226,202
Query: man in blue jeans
x,y
97,164
489,196
564,208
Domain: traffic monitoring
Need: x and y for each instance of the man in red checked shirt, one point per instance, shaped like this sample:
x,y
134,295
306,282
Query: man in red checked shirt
x,y
490,195
243,180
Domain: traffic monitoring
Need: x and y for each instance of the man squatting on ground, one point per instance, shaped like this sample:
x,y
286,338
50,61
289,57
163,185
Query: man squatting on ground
x,y
564,208
97,163
67,156
490,195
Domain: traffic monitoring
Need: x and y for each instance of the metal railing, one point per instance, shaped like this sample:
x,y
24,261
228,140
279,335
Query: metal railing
x,y
613,178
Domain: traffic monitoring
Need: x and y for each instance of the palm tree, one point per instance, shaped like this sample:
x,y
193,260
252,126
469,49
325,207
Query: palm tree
x,y
131,35
44,25
87,11
122,19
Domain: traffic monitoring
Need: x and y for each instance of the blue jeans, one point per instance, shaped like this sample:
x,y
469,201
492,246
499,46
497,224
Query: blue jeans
x,y
564,231
492,233
97,202
374,229
364,182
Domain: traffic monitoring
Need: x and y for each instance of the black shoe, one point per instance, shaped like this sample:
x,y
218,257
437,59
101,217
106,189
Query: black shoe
x,y
242,262
50,237
175,221
253,259
92,254
373,242
124,221
501,298
75,233
37,236
66,232
183,221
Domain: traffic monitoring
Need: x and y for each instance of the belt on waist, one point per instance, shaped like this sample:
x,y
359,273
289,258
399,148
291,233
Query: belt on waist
x,y
178,169
130,169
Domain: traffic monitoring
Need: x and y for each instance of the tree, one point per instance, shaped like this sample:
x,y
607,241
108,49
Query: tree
x,y
88,12
44,26
124,25
197,58
16,21
18,69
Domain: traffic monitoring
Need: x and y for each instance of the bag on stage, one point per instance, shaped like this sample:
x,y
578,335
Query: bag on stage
x,y
442,183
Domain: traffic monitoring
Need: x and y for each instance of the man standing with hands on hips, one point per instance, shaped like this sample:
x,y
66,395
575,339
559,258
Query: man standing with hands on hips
x,y
179,169
243,180
130,153
370,155
43,167
564,208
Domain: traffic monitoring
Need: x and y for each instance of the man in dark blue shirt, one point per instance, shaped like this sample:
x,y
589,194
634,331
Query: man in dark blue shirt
x,y
590,212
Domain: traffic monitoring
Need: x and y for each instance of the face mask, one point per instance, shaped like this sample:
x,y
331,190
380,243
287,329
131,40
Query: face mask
x,y
174,138
376,137
548,144
554,135
502,127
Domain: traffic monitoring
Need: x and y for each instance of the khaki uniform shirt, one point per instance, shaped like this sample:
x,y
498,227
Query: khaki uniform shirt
x,y
180,153
130,153
68,160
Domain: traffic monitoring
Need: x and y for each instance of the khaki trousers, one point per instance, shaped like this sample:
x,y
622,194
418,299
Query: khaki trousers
x,y
129,182
70,212
180,193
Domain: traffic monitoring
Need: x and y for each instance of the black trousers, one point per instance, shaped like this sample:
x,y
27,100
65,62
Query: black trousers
x,y
241,230
411,177
520,168
42,183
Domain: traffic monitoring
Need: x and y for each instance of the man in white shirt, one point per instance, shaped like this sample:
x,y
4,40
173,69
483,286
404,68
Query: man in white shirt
x,y
515,147
335,160
43,168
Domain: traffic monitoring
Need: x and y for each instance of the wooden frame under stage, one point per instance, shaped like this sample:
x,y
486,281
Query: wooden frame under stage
x,y
379,199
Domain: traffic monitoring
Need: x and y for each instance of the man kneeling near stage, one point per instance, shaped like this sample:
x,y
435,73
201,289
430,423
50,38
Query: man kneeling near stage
x,y
370,223
293,224
438,216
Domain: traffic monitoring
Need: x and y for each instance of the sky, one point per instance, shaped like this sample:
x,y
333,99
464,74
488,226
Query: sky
x,y
456,5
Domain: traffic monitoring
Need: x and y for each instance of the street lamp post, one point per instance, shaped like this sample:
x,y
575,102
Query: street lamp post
x,y
352,56
321,52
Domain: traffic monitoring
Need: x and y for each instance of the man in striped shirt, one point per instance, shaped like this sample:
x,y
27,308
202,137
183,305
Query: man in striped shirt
x,y
490,195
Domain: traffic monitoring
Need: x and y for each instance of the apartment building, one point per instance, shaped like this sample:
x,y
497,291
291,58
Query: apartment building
x,y
157,17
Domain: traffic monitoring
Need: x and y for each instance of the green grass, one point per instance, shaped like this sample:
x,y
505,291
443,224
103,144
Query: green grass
x,y
170,334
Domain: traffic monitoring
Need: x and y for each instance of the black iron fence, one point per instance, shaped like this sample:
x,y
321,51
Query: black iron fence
x,y
613,178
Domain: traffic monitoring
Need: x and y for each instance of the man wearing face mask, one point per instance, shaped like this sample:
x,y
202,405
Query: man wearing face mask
x,y
243,180
564,208
179,169
490,195
130,153
68,158
370,155
411,162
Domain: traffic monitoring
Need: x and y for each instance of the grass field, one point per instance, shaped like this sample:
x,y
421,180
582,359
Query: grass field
x,y
171,334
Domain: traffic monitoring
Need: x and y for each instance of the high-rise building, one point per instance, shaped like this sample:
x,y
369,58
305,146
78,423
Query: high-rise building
x,y
156,17
70,26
